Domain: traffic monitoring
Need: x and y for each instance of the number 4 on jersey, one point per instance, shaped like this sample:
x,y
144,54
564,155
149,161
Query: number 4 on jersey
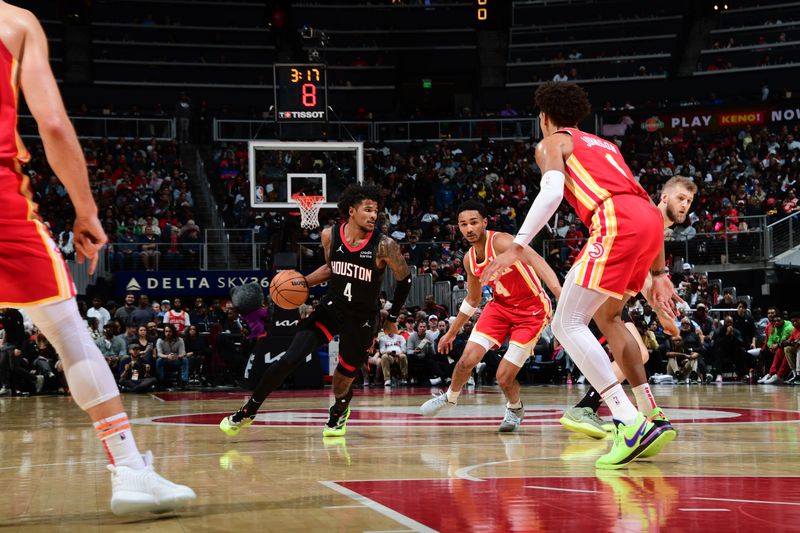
x,y
348,292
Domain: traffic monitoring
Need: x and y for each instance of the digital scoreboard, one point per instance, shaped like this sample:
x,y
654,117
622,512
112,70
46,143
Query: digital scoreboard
x,y
301,92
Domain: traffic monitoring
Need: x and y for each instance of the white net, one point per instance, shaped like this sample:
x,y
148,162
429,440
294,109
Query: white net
x,y
309,210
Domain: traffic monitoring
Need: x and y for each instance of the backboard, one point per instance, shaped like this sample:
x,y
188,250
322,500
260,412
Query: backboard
x,y
279,169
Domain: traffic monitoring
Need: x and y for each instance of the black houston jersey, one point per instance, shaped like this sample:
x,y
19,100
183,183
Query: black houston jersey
x,y
356,281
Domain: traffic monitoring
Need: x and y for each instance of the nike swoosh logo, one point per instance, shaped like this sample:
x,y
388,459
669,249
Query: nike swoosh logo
x,y
630,443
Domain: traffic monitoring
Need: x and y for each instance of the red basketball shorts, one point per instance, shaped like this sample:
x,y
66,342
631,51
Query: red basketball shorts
x,y
521,326
627,233
32,270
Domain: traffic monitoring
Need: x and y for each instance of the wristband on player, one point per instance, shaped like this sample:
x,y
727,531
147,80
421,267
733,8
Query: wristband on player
x,y
399,298
467,309
661,272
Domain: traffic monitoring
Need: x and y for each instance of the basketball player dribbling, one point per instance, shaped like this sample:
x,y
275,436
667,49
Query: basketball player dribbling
x,y
626,242
519,311
33,275
677,195
356,255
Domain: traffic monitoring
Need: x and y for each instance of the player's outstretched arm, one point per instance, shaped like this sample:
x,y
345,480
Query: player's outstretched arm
x,y
550,155
323,273
465,312
503,241
61,145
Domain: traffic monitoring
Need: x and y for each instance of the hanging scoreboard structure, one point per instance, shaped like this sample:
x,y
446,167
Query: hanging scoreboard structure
x,y
301,92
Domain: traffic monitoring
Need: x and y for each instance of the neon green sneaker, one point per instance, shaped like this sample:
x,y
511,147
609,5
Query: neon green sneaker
x,y
629,442
232,428
668,433
336,426
583,420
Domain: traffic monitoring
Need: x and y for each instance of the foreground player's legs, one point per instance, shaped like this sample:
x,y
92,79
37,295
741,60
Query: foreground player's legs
x,y
135,486
634,433
303,343
583,417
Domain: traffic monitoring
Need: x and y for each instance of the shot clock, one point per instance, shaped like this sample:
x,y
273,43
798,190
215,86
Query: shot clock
x,y
301,92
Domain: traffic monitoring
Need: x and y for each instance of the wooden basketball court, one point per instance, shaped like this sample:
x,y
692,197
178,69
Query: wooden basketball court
x,y
734,465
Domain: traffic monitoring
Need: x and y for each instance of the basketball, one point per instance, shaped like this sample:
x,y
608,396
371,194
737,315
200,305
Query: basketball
x,y
288,289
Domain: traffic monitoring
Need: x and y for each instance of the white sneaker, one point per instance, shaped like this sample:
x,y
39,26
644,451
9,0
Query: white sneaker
x,y
479,368
143,490
471,381
436,381
775,379
764,378
512,419
436,405
387,383
581,380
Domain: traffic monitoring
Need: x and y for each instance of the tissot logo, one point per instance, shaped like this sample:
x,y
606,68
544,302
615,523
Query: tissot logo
x,y
302,114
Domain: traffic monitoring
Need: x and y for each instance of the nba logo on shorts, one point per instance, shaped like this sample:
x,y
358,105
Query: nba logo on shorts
x,y
596,250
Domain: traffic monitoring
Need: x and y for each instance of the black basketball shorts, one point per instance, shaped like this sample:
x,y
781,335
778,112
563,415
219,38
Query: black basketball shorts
x,y
356,332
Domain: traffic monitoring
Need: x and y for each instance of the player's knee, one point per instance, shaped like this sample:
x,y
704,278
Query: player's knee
x,y
505,377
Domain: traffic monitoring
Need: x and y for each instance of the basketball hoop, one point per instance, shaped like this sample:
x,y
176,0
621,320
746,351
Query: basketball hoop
x,y
309,210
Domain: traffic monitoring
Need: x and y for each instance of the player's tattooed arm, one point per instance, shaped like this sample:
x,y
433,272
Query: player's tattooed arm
x,y
389,254
323,273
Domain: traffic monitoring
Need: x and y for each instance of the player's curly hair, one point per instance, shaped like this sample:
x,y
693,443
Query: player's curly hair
x,y
355,194
472,205
567,104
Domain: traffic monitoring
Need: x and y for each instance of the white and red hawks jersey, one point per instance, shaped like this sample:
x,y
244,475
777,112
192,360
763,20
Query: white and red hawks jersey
x,y
517,288
180,320
394,343
596,171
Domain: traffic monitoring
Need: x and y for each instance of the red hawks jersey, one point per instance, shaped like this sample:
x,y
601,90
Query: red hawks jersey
x,y
517,288
596,171
11,147
180,320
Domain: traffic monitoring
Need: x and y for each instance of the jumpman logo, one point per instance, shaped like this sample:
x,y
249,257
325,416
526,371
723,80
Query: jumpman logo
x,y
340,250
366,324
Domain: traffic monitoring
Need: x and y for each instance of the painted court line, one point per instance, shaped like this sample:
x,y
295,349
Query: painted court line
x,y
704,510
343,507
410,523
560,489
743,501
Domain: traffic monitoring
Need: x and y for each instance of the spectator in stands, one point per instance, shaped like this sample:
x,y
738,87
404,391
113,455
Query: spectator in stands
x,y
124,314
728,350
392,350
177,316
149,250
419,349
144,313
743,323
432,308
764,355
781,331
93,325
199,317
197,350
692,344
65,241
790,347
136,375
111,347
99,312
171,354
682,362
124,249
